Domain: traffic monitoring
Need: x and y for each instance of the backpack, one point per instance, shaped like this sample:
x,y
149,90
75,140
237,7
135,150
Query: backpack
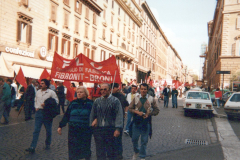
x,y
50,108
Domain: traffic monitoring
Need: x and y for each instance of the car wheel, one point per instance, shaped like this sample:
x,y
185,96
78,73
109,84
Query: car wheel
x,y
230,117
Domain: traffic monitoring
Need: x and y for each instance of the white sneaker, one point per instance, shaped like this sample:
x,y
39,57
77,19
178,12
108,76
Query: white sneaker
x,y
126,132
135,156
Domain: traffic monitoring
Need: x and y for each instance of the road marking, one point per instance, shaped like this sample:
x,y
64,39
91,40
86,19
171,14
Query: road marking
x,y
228,139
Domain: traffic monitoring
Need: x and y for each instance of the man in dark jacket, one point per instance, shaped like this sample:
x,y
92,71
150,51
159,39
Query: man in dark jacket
x,y
116,93
29,100
174,97
167,94
5,100
61,96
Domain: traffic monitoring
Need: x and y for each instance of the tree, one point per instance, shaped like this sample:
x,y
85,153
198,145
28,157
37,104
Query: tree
x,y
195,77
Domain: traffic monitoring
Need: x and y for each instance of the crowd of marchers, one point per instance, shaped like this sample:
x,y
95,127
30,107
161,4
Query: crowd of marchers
x,y
100,114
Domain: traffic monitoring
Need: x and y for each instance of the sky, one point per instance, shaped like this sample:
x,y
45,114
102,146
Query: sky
x,y
184,22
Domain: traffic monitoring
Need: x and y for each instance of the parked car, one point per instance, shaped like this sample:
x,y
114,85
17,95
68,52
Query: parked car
x,y
212,94
226,96
198,102
232,106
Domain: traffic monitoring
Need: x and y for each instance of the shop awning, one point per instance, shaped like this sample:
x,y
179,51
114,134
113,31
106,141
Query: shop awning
x,y
31,67
30,72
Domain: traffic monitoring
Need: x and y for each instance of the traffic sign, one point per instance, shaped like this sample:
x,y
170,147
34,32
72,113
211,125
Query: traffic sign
x,y
223,72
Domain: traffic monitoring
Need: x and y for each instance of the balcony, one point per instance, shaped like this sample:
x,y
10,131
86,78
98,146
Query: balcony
x,y
124,54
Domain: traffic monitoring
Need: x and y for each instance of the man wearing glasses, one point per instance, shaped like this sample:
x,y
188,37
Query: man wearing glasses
x,y
107,119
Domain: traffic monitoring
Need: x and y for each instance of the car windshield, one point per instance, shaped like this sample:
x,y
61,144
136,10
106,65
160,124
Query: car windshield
x,y
235,98
198,95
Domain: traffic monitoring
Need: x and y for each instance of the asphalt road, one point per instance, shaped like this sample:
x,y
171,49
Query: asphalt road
x,y
170,129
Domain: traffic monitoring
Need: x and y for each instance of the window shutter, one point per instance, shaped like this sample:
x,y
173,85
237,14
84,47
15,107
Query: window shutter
x,y
92,56
65,19
76,25
68,52
53,15
19,29
94,18
56,43
233,49
112,20
103,36
87,13
62,46
238,22
80,8
49,41
29,34
94,35
110,38
88,53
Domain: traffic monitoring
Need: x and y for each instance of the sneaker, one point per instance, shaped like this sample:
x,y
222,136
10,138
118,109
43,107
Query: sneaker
x,y
30,150
126,132
135,156
47,147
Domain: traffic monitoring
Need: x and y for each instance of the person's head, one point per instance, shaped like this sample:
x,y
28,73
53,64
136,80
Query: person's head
x,y
44,84
123,85
82,92
95,85
218,89
115,87
34,82
134,89
80,83
174,88
73,85
9,81
1,81
143,89
105,89
60,83
168,86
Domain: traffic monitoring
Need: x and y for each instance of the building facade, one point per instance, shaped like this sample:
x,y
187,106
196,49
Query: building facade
x,y
224,41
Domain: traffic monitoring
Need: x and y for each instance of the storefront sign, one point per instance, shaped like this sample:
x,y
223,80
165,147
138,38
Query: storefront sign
x,y
43,52
20,52
49,58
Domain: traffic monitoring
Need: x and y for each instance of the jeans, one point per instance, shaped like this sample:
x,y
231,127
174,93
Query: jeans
x,y
166,100
13,98
6,112
138,131
129,119
174,101
218,102
39,120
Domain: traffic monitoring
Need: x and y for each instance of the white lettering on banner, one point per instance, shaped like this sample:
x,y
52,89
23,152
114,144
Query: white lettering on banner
x,y
100,67
100,78
20,52
80,69
66,63
77,62
71,76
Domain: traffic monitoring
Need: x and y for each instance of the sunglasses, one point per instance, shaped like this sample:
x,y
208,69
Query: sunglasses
x,y
105,89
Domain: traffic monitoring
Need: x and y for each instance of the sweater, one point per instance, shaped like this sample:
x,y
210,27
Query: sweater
x,y
108,112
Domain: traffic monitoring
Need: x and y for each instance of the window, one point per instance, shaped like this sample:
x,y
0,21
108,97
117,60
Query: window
x,y
52,42
111,39
119,11
53,12
94,18
92,55
24,32
87,13
78,6
66,47
94,35
66,2
133,38
111,20
129,21
77,25
112,4
132,66
104,14
103,55
24,2
133,27
87,52
124,17
118,24
140,58
124,30
66,17
75,50
129,35
86,31
117,42
103,34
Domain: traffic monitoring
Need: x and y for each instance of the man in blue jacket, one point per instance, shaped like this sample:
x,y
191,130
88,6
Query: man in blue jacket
x,y
5,100
167,94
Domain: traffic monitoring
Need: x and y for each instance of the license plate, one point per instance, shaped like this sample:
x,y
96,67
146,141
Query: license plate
x,y
198,105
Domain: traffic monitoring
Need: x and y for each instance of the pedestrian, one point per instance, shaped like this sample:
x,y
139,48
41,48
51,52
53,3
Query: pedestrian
x,y
5,100
61,96
174,97
79,132
13,95
143,107
124,103
130,97
151,91
167,94
21,98
29,100
124,90
51,86
95,92
218,96
106,118
40,117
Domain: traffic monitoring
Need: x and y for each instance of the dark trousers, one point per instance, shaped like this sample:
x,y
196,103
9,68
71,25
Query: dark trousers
x,y
61,104
106,143
39,120
166,100
28,110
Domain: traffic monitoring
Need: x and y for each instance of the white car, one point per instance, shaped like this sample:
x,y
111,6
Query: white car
x,y
198,102
232,106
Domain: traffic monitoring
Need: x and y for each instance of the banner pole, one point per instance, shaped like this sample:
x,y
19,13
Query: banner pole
x,y
113,80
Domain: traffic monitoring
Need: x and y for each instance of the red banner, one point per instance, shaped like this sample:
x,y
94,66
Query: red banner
x,y
84,69
175,83
21,79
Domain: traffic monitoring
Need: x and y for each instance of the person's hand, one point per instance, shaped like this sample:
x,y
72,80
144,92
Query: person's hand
x,y
94,123
59,130
37,109
125,115
116,133
140,113
145,116
43,105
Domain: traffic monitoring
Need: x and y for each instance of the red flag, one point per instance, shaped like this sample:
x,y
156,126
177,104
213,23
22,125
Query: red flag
x,y
165,83
21,79
176,83
44,75
70,91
